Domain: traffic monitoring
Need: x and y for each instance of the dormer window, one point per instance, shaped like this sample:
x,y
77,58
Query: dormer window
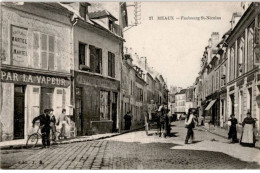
x,y
110,25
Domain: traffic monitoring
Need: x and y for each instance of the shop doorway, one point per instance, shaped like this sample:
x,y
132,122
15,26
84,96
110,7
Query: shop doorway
x,y
46,99
19,92
114,112
78,112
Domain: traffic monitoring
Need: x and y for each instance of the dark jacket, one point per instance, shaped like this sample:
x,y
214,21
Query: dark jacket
x,y
44,120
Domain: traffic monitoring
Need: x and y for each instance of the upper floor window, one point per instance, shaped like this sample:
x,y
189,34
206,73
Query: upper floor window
x,y
82,54
111,64
95,59
232,59
250,49
240,57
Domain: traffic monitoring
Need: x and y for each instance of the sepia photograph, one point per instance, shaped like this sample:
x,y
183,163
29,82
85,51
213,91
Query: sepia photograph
x,y
129,85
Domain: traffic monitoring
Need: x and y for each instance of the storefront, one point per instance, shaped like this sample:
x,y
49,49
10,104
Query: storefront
x,y
96,104
25,93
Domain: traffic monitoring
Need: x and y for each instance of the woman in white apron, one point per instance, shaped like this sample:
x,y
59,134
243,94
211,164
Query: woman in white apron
x,y
248,136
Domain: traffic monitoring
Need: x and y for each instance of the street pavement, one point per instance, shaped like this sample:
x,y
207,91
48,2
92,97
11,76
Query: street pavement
x,y
135,150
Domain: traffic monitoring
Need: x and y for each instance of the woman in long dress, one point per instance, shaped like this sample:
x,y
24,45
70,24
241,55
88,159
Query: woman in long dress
x,y
232,134
248,136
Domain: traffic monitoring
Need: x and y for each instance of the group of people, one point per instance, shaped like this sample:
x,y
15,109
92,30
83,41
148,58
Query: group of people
x,y
48,124
248,136
248,132
153,114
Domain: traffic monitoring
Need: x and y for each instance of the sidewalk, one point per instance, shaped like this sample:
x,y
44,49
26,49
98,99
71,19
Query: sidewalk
x,y
224,133
19,144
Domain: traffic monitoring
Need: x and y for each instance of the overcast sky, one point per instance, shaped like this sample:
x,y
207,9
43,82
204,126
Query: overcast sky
x,y
174,47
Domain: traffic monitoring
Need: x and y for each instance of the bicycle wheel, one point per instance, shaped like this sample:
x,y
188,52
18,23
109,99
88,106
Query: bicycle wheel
x,y
32,141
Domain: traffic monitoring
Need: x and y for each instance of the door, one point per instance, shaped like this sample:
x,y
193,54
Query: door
x,y
19,111
114,112
46,98
78,112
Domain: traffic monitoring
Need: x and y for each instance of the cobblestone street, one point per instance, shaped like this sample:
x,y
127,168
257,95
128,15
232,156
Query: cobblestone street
x,y
137,151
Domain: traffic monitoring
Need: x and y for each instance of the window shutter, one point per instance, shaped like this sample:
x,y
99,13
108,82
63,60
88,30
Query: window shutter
x,y
113,65
44,42
44,60
36,48
92,63
109,64
51,62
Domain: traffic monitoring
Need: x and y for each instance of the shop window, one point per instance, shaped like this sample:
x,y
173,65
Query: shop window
x,y
95,59
111,64
232,104
104,105
249,100
48,60
240,104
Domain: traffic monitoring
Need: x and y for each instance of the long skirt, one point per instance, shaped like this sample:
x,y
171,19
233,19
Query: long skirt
x,y
232,133
247,137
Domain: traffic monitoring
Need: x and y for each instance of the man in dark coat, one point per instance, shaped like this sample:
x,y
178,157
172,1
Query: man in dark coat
x,y
45,127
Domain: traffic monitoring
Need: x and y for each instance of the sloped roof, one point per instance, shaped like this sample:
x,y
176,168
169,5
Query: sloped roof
x,y
183,91
101,14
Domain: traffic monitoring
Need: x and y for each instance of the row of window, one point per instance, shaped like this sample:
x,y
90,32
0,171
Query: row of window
x,y
90,59
240,60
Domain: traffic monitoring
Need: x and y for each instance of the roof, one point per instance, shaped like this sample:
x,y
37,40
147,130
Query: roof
x,y
100,14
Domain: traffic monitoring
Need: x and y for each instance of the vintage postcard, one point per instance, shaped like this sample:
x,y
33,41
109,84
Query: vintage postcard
x,y
129,85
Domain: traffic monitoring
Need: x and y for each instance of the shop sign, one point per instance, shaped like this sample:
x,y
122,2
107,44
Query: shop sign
x,y
249,84
96,81
33,79
250,78
232,88
258,100
19,46
241,82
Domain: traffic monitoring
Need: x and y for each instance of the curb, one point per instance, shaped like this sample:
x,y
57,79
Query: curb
x,y
258,147
23,146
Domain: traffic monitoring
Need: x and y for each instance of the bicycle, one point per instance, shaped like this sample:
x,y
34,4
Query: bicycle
x,y
33,138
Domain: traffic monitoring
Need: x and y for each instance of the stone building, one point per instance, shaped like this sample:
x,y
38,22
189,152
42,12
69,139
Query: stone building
x,y
96,72
243,65
35,64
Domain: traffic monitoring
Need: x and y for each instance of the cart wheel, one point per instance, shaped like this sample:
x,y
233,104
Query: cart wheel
x,y
32,141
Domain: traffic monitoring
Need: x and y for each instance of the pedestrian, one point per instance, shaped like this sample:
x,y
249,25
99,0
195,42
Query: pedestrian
x,y
152,111
162,113
45,127
128,119
248,136
232,134
63,120
53,124
190,124
146,119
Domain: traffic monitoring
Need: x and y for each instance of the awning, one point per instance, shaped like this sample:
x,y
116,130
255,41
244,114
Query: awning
x,y
210,105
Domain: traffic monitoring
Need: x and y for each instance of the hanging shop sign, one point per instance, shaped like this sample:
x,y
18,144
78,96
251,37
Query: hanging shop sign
x,y
250,78
33,79
258,100
19,46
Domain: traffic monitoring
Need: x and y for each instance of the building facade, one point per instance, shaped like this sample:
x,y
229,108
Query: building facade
x,y
35,65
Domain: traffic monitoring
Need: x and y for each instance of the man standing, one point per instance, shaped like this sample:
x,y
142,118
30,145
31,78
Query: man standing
x,y
152,108
45,127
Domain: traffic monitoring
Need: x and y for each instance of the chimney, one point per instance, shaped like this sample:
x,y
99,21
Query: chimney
x,y
214,39
235,18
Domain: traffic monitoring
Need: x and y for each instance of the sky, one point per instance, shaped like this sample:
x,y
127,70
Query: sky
x,y
175,47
